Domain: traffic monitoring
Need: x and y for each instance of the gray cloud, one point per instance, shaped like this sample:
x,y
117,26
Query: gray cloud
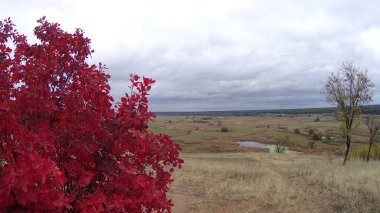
x,y
219,55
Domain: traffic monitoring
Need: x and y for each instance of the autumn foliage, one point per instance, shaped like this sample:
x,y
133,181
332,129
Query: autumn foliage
x,y
64,145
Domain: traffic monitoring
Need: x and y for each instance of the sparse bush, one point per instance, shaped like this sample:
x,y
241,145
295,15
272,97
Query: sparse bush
x,y
316,137
219,123
224,129
280,149
317,119
206,118
361,153
373,124
311,131
281,127
281,145
311,144
201,121
297,131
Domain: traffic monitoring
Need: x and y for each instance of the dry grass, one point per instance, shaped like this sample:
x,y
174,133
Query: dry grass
x,y
280,183
235,177
260,182
354,187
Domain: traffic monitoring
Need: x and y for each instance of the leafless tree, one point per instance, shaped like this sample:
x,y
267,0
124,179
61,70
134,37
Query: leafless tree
x,y
373,124
349,89
281,145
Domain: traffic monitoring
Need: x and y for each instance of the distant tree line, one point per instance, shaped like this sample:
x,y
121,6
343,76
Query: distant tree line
x,y
369,109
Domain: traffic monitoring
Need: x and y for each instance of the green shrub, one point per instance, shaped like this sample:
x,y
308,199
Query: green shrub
x,y
224,129
281,146
311,144
317,119
280,149
361,153
297,131
311,131
316,137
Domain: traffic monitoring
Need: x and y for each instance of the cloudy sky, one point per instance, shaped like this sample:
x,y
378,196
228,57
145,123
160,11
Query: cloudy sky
x,y
222,54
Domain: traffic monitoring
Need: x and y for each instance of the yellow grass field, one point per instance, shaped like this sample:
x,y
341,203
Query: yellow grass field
x,y
220,176
261,182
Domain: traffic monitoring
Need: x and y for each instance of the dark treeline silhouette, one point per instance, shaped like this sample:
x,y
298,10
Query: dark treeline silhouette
x,y
371,109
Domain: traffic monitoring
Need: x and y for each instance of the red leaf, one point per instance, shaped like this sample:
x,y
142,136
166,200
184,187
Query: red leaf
x,y
66,146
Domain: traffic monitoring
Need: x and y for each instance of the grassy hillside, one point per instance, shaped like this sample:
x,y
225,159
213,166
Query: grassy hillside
x,y
220,176
259,182
203,133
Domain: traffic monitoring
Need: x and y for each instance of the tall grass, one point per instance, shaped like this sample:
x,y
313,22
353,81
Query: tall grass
x,y
284,183
354,187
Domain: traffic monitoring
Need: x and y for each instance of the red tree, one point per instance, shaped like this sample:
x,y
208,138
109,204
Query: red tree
x,y
63,145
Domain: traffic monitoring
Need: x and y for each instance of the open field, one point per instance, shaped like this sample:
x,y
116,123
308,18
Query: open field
x,y
220,176
203,133
261,182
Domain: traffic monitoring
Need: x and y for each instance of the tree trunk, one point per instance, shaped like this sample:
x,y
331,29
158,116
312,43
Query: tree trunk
x,y
348,143
369,151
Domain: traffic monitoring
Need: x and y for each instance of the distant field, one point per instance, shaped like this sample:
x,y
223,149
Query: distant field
x,y
199,134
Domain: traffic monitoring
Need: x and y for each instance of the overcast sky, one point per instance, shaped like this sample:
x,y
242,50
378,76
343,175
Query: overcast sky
x,y
220,55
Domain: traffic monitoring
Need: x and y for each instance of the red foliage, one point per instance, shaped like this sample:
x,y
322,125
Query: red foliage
x,y
63,145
